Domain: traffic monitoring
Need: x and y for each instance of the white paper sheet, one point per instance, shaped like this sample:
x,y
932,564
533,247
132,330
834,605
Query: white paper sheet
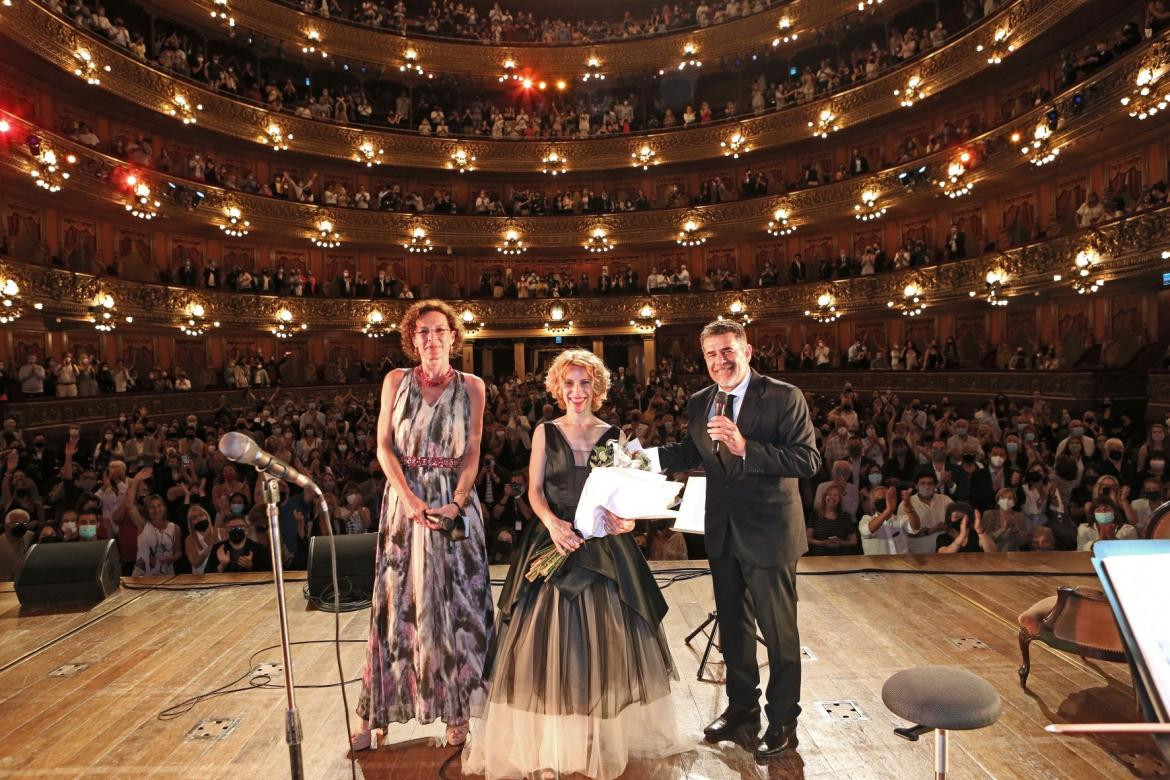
x,y
692,512
1141,583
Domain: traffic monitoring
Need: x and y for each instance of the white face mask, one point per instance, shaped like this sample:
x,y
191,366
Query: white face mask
x,y
1006,503
68,527
996,460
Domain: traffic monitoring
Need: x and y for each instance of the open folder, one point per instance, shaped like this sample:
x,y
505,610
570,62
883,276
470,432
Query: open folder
x,y
693,509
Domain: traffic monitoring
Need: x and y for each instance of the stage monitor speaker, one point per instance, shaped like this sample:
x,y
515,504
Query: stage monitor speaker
x,y
356,565
68,573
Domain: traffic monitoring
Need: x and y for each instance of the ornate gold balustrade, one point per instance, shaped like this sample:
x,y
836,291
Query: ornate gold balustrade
x,y
54,39
1130,250
819,206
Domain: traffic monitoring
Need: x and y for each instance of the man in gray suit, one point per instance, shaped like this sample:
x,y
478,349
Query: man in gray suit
x,y
754,437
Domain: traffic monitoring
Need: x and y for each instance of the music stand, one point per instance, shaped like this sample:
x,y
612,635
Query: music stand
x,y
712,618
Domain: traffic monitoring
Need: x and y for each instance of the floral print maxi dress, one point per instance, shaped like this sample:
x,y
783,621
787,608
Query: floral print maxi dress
x,y
431,618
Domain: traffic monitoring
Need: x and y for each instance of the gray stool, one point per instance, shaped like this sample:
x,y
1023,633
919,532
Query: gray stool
x,y
940,699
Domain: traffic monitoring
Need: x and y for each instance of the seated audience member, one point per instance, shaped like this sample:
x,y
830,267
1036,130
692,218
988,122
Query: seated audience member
x,y
832,530
965,531
924,511
14,544
1104,521
238,553
882,530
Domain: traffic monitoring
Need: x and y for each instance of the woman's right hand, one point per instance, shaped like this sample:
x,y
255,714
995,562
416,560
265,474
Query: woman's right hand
x,y
416,510
563,536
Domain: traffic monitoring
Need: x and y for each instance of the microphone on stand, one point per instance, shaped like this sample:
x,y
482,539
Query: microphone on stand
x,y
240,448
721,399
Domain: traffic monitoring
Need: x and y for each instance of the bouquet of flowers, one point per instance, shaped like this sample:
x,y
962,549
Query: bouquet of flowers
x,y
620,482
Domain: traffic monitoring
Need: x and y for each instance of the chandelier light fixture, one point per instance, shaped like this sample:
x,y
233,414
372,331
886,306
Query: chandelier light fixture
x,y
461,160
376,326
826,309
558,322
313,44
734,146
222,12
1146,99
510,71
103,314
644,157
182,109
554,164
593,69
690,235
868,5
825,123
1084,274
142,203
913,301
690,58
11,307
868,209
195,323
911,93
786,34
419,242
779,224
236,226
410,65
999,47
471,323
737,312
87,68
645,321
326,237
286,325
598,241
47,171
512,244
369,154
954,183
1041,149
275,137
996,283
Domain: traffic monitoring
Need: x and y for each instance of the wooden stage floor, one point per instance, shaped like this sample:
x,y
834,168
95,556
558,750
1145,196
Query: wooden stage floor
x,y
143,650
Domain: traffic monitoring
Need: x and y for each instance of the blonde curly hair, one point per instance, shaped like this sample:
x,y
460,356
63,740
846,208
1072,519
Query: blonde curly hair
x,y
555,379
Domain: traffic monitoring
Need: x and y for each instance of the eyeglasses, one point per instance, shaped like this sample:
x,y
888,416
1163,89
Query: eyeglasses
x,y
425,333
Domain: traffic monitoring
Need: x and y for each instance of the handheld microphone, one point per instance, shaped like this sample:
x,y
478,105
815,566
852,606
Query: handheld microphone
x,y
721,399
240,448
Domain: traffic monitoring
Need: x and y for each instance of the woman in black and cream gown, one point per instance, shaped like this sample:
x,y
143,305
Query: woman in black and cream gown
x,y
580,669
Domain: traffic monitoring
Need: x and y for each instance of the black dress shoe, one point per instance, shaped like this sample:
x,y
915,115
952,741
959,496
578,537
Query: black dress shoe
x,y
734,723
779,737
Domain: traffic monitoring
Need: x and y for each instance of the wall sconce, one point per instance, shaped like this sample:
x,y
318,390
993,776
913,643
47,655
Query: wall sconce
x,y
313,44
376,326
598,241
411,65
996,283
510,71
195,322
554,164
999,47
471,324
779,225
142,202
954,183
369,154
275,137
870,5
87,67
221,11
326,237
418,243
913,301
645,321
11,307
286,325
826,310
47,171
734,146
787,34
868,209
1041,150
236,226
690,58
557,323
689,235
593,70
104,315
1143,101
825,123
460,160
182,109
911,93
644,157
512,244
1084,266
738,312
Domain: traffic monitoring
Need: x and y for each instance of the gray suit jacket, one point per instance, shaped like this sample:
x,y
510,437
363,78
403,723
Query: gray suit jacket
x,y
757,495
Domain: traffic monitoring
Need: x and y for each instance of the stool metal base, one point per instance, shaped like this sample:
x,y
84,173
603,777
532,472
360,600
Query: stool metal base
x,y
940,754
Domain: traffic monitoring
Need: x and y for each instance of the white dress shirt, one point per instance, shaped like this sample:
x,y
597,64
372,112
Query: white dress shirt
x,y
734,401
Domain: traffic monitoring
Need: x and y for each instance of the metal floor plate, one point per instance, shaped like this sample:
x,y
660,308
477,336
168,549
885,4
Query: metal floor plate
x,y
213,729
840,711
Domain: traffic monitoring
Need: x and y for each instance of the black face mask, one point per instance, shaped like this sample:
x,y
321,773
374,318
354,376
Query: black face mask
x,y
18,530
237,535
879,506
504,549
202,525
49,539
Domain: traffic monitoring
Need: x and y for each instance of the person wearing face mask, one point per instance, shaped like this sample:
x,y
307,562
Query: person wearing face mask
x,y
836,446
965,531
902,464
158,537
1155,468
1155,440
882,530
973,483
1105,520
1152,497
1007,525
1115,464
69,526
924,512
354,517
1000,469
200,540
1016,457
14,543
1077,432
312,417
237,553
48,535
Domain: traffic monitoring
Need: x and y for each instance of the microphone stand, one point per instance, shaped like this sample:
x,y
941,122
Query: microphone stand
x,y
292,732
